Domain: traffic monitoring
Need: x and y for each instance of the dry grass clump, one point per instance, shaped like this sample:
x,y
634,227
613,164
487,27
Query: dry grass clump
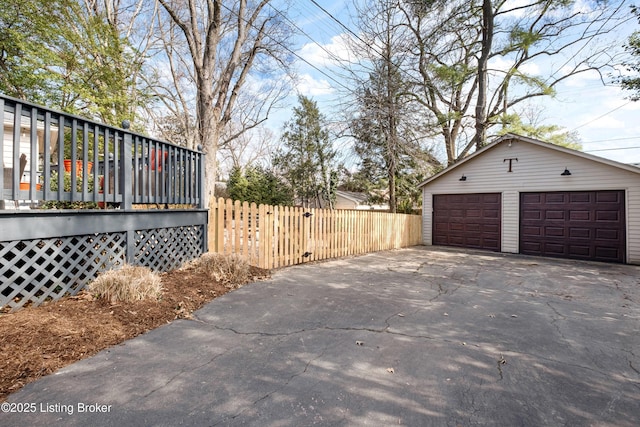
x,y
131,283
232,270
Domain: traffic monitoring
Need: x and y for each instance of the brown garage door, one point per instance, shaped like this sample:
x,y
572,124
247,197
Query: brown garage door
x,y
586,225
467,220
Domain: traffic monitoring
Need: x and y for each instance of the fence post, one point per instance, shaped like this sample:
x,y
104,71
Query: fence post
x,y
211,225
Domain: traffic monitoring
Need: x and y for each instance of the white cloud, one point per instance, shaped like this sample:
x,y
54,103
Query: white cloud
x,y
600,123
328,54
307,85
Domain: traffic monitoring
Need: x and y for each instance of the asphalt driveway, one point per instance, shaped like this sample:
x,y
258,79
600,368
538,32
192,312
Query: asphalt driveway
x,y
419,337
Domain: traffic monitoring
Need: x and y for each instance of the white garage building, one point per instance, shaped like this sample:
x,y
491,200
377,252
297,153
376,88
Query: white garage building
x,y
522,195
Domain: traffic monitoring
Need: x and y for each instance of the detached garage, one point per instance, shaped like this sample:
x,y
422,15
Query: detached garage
x,y
521,195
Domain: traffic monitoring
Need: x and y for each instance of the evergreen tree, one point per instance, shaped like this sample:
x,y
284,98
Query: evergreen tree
x,y
259,185
308,159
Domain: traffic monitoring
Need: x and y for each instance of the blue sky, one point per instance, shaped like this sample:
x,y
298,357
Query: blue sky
x,y
607,123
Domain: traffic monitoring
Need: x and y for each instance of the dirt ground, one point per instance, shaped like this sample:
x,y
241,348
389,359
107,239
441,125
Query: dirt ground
x,y
37,341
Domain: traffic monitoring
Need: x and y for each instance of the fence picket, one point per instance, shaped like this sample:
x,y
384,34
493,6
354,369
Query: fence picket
x,y
278,236
220,240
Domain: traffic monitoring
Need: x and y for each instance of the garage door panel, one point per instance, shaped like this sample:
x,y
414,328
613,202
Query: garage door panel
x,y
491,228
607,216
491,244
474,228
580,233
580,215
608,254
580,198
491,213
554,214
455,226
579,250
531,231
532,214
532,248
474,213
473,242
609,197
583,225
531,198
554,248
555,198
607,234
456,240
554,231
467,220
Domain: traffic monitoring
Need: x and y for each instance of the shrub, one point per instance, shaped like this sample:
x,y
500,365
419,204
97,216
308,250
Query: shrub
x,y
129,284
232,270
66,179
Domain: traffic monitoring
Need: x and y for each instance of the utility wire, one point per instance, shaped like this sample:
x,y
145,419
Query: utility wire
x,y
599,117
327,51
609,140
289,50
612,149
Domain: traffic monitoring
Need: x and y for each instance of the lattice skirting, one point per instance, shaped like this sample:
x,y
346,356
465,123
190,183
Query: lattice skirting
x,y
164,249
34,271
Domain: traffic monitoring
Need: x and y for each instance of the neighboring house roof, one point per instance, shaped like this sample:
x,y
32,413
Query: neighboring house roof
x,y
358,198
511,136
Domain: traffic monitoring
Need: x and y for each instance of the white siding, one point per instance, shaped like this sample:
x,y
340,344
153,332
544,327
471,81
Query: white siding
x,y
633,224
537,169
510,221
427,215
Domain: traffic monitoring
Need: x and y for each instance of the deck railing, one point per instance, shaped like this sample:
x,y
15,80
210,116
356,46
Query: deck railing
x,y
50,156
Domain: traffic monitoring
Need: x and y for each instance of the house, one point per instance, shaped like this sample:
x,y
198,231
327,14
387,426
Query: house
x,y
23,136
522,195
355,200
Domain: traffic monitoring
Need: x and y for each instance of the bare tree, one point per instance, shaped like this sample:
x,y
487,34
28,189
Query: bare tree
x,y
217,45
251,148
471,57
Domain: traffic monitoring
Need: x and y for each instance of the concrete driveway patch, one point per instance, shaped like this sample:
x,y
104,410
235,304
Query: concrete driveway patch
x,y
420,336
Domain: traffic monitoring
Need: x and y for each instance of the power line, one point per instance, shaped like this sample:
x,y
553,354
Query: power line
x,y
321,46
612,149
610,139
288,49
338,21
603,115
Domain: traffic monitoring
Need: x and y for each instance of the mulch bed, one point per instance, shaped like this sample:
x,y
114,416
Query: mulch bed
x,y
37,341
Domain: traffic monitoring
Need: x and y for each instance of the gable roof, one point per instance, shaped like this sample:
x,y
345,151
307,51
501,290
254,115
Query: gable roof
x,y
548,145
358,198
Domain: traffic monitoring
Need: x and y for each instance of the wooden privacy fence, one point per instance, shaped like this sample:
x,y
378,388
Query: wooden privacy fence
x,y
278,236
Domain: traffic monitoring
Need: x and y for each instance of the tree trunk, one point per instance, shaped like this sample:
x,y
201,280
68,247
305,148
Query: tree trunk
x,y
481,106
208,133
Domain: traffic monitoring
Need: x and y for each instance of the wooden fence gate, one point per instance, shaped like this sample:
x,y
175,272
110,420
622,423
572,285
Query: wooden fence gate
x,y
278,236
